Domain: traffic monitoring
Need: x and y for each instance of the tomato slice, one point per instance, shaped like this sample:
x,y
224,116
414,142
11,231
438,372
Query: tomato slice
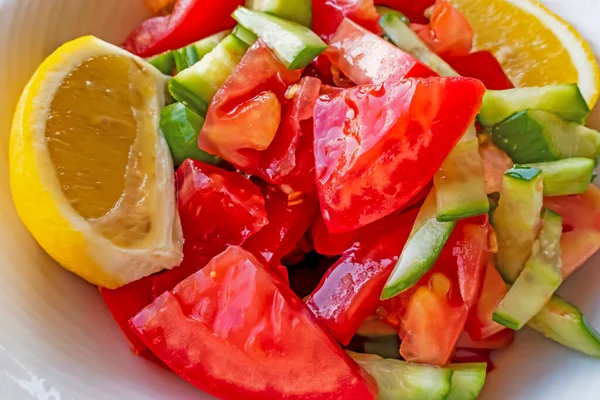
x,y
495,164
236,332
499,340
378,146
366,58
349,292
413,9
484,66
581,221
328,15
189,21
448,32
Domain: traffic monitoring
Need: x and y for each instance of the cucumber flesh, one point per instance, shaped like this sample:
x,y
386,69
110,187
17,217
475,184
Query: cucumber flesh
x,y
540,136
242,33
564,100
565,324
467,380
566,177
180,126
299,11
400,380
539,280
516,220
295,45
376,337
190,55
164,62
383,11
196,86
423,248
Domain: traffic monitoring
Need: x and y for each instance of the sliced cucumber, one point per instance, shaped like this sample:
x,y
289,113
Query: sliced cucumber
x,y
421,251
516,220
539,280
566,177
245,35
564,100
540,136
295,45
383,11
164,62
460,183
196,86
376,337
299,11
565,324
400,380
467,380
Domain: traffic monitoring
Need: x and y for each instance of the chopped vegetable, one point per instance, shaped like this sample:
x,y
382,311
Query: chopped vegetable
x,y
329,14
164,62
467,381
413,9
299,11
566,177
245,35
481,65
190,55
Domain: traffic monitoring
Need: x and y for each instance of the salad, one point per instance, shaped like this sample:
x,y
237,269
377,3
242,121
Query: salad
x,y
326,199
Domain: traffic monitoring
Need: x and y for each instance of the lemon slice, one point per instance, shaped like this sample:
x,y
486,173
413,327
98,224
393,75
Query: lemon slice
x,y
534,45
91,177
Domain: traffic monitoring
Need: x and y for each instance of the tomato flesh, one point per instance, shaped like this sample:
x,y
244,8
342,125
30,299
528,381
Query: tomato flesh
x,y
329,14
236,332
371,143
495,164
484,66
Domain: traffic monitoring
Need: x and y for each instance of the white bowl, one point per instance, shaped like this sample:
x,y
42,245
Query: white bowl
x,y
57,339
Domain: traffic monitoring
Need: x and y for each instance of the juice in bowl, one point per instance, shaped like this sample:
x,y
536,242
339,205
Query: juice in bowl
x,y
305,199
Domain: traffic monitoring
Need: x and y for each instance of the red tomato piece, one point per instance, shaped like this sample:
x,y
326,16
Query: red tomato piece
x,y
581,222
484,66
328,15
448,33
190,20
499,340
378,146
473,356
480,324
349,292
236,332
413,9
366,58
495,164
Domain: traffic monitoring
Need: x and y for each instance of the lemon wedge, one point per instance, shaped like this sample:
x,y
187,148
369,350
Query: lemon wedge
x,y
535,46
91,176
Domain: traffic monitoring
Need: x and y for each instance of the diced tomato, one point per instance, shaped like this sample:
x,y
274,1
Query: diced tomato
x,y
499,340
218,208
484,66
581,222
378,146
495,164
448,33
328,15
190,20
366,58
480,324
349,292
289,218
236,332
473,356
413,9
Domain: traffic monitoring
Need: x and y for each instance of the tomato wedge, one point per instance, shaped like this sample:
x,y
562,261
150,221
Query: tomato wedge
x,y
499,340
349,292
236,332
495,164
581,222
189,21
328,15
378,146
367,58
484,66
413,9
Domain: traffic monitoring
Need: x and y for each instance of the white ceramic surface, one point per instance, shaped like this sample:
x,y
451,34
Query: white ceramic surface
x,y
57,340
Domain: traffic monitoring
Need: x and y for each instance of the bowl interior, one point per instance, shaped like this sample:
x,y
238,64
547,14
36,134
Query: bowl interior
x,y
57,339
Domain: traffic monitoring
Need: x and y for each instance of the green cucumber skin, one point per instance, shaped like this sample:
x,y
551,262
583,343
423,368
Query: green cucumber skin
x,y
384,11
203,47
539,136
295,45
164,62
467,381
566,177
565,324
299,11
565,100
185,58
245,35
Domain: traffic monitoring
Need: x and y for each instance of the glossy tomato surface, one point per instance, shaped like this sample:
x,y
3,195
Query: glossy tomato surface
x,y
484,66
328,15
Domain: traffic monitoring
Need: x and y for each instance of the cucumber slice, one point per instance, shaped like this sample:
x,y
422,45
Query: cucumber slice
x,y
295,45
196,86
540,136
190,55
517,218
565,324
383,11
180,127
185,57
400,380
564,100
421,251
299,11
566,177
539,280
164,62
460,183
245,35
376,337
467,380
